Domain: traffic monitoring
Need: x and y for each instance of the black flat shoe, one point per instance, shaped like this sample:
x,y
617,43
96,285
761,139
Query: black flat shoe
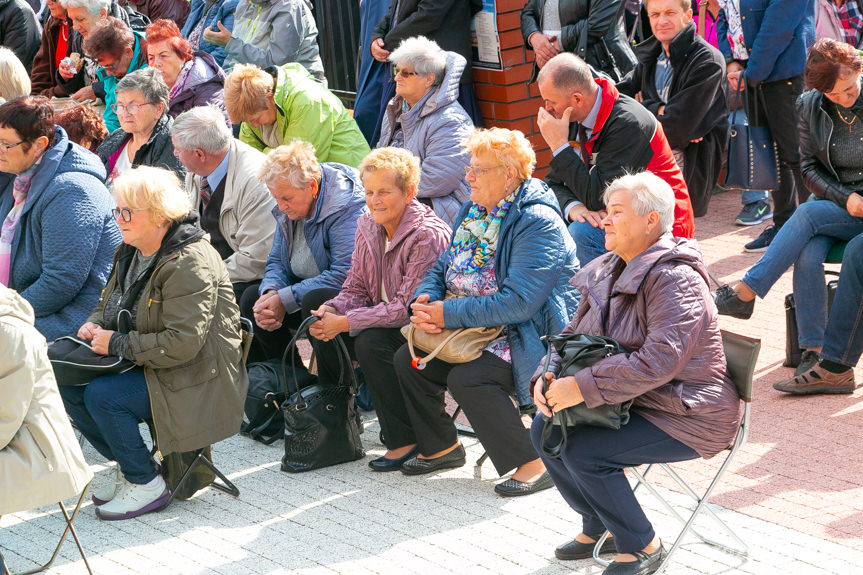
x,y
514,488
572,550
644,564
417,466
384,464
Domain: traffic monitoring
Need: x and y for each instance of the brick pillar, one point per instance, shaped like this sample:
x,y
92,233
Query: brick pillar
x,y
504,96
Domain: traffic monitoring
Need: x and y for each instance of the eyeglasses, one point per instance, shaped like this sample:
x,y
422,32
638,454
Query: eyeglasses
x,y
403,73
131,108
6,147
113,66
126,213
480,171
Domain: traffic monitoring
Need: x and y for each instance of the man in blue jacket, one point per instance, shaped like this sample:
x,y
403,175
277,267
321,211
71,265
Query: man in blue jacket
x,y
764,43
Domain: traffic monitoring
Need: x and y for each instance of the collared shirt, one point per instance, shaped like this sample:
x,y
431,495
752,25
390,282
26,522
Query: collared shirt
x,y
216,176
663,76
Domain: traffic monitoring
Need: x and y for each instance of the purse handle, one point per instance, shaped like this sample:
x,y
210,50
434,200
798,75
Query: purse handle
x,y
555,451
344,360
420,362
759,99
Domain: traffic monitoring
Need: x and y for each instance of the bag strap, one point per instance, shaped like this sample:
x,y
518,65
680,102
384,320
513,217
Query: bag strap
x,y
702,18
420,362
555,451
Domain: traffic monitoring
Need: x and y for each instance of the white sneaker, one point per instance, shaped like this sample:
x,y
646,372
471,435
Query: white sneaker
x,y
133,500
108,491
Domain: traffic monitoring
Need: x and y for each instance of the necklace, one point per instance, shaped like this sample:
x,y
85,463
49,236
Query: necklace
x,y
64,29
846,122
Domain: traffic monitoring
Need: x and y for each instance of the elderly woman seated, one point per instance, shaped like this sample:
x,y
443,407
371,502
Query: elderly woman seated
x,y
317,207
183,335
56,35
276,109
396,243
425,118
193,78
144,135
649,293
509,263
57,237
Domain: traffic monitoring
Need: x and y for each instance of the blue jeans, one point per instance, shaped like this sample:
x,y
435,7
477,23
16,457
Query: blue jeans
x,y
107,411
590,475
803,242
751,196
589,241
843,342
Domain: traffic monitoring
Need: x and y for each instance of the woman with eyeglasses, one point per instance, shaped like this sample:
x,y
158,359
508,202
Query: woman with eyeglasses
x,y
144,136
182,333
425,118
508,264
57,236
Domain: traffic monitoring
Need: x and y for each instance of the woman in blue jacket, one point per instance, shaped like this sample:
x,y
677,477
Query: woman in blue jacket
x,y
58,237
317,207
510,261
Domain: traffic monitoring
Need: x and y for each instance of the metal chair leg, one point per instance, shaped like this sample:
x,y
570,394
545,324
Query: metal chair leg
x,y
200,459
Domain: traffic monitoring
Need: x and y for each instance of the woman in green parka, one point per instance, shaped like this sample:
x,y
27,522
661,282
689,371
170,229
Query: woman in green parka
x,y
181,330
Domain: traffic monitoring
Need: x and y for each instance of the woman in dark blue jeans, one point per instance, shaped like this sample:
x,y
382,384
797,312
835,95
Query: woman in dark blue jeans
x,y
831,139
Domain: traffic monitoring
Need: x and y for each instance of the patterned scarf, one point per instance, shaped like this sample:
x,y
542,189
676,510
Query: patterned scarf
x,y
20,189
475,239
181,78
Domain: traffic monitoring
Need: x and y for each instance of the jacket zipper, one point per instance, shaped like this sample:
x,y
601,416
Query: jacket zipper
x,y
41,451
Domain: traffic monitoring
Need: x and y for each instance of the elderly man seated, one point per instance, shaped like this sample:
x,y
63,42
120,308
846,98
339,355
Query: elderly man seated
x,y
234,204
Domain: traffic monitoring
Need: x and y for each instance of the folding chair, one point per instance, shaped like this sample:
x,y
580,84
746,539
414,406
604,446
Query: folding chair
x,y
741,353
70,528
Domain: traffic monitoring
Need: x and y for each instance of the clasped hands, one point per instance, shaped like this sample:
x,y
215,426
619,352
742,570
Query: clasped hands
x,y
98,337
427,316
551,395
329,325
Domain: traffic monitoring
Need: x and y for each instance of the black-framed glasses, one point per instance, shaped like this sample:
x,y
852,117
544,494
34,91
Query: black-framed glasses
x,y
131,108
403,73
126,213
7,147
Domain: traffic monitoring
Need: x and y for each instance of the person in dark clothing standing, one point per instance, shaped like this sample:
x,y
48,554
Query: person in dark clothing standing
x,y
19,30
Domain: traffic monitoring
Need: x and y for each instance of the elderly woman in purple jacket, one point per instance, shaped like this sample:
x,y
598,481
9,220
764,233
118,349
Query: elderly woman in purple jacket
x,y
395,244
650,293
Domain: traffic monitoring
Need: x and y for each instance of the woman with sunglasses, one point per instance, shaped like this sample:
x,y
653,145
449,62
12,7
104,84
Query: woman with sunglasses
x,y
144,136
57,236
425,118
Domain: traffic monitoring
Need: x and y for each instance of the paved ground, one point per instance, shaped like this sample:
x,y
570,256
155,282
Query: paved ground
x,y
794,494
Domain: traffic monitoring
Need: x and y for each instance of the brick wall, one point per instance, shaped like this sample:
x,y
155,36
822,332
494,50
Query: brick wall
x,y
504,96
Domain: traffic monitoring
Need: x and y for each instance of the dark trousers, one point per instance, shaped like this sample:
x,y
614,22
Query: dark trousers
x,y
327,352
776,108
590,477
483,388
843,339
107,411
241,287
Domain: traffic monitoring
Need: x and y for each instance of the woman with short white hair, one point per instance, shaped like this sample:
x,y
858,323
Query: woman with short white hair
x,y
425,118
14,81
650,293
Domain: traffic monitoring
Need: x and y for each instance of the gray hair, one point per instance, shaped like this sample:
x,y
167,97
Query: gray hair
x,y
569,73
423,55
649,193
92,6
202,128
14,80
294,162
149,82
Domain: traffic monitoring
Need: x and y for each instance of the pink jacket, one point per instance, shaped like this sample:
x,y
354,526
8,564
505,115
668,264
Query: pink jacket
x,y
421,237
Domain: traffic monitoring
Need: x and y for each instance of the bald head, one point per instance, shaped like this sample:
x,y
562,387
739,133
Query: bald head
x,y
568,73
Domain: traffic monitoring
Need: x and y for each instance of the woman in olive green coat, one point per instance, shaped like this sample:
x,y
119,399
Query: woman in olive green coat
x,y
168,306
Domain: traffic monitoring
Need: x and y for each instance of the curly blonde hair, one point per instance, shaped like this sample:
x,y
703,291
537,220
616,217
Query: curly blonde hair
x,y
510,147
295,163
155,189
404,166
246,89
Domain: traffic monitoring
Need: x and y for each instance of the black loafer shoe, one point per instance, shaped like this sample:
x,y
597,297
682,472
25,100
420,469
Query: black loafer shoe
x,y
728,303
514,488
644,564
417,466
572,550
384,464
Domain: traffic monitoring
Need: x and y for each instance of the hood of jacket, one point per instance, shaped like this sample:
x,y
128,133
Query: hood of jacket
x,y
447,92
338,183
204,70
415,216
13,305
182,232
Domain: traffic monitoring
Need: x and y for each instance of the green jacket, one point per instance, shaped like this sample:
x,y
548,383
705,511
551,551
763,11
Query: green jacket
x,y
188,341
109,82
308,111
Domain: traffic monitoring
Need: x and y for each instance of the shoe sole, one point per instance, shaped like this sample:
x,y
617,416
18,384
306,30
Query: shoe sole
x,y
740,222
442,466
156,505
755,250
836,390
529,491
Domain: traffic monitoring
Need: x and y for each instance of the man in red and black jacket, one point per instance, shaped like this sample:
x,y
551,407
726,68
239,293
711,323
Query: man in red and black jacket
x,y
597,135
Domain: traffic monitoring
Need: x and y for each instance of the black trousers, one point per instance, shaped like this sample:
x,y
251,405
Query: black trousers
x,y
483,388
241,287
776,108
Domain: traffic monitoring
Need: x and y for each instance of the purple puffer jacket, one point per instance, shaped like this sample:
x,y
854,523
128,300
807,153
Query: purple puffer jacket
x,y
420,238
659,308
204,85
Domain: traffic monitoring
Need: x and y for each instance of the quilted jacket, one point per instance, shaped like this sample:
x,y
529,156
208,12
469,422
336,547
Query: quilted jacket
x,y
211,11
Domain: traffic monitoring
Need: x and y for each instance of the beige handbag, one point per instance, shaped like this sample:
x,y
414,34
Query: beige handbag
x,y
450,345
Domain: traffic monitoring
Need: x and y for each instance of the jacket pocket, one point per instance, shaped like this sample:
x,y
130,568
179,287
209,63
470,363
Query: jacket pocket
x,y
198,371
43,454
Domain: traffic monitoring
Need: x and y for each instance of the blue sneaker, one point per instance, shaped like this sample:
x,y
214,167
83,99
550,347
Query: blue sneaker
x,y
762,242
754,213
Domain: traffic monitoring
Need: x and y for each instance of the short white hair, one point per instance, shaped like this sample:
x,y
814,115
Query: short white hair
x,y
202,128
14,80
423,55
649,193
92,6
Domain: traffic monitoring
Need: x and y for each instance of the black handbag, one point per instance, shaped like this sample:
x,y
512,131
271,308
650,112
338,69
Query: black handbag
x,y
793,353
265,397
75,363
321,421
578,351
752,162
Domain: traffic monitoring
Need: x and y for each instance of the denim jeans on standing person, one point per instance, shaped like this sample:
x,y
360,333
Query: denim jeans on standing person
x,y
803,242
589,241
843,342
751,196
107,412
